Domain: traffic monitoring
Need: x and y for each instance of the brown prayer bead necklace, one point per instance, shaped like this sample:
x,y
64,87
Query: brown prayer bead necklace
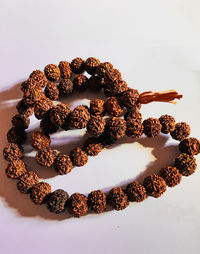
x,y
39,92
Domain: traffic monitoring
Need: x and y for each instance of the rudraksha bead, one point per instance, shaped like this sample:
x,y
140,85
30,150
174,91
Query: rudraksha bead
x,y
116,127
93,146
186,164
59,113
39,192
51,91
130,98
181,131
135,192
65,70
27,181
12,152
97,107
152,127
97,201
134,129
117,198
190,146
78,205
42,106
171,175
52,72
113,107
24,109
56,201
39,140
63,164
66,87
168,123
16,135
16,169
91,65
45,157
96,125
79,157
155,185
80,82
77,65
79,117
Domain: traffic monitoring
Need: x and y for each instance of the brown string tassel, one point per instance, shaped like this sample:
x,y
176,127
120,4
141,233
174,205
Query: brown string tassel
x,y
164,96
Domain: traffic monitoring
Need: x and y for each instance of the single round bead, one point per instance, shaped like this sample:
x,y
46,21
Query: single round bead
x,y
181,131
80,82
56,201
155,185
112,76
66,87
20,121
168,123
133,115
39,192
16,135
42,106
45,157
91,65
51,91
77,65
27,181
117,198
32,95
65,70
116,127
190,146
79,117
52,72
39,140
93,146
130,98
103,68
63,164
96,125
97,107
135,192
118,88
134,129
59,113
113,107
24,109
12,152
171,175
78,205
186,164
97,201
152,127
16,169
39,77
46,125
79,157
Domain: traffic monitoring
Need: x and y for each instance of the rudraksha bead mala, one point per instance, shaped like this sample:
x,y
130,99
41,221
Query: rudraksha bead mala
x,y
40,93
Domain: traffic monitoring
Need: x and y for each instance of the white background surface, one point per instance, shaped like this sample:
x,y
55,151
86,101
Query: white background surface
x,y
155,44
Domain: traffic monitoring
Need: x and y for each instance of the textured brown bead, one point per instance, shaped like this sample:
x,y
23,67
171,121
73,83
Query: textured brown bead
x,y
95,83
130,98
39,77
103,68
97,201
112,76
65,70
96,125
16,169
113,107
51,91
134,129
118,88
80,82
78,205
79,157
52,72
56,201
27,181
117,198
155,185
45,157
32,95
93,146
77,65
42,106
171,175
59,113
91,65
66,87
12,152
24,109
190,146
39,140
181,131
63,164
97,107
133,115
16,135
135,192
168,123
20,121
46,125
152,127
186,164
116,127
39,192
79,117
30,84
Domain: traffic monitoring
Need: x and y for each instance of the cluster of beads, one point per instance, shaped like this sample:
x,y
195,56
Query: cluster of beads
x,y
40,92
